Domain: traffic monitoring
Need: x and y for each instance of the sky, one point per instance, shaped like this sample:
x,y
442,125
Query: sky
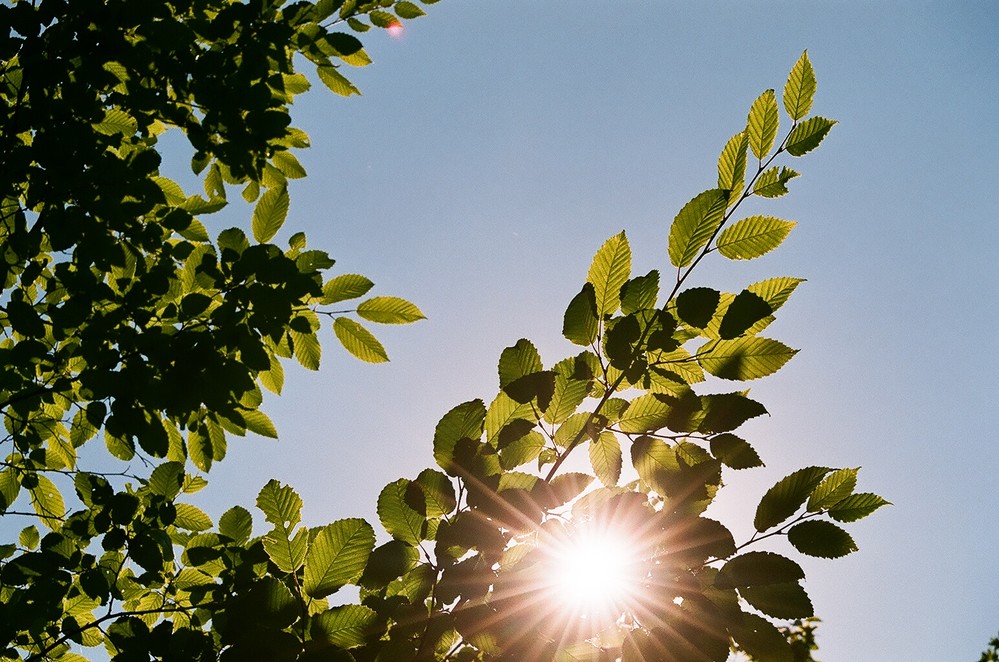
x,y
498,144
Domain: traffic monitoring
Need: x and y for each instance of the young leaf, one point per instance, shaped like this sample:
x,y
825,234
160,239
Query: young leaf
x,y
744,358
359,341
518,361
579,325
270,213
772,183
280,504
775,291
389,310
856,506
695,224
806,136
307,349
732,165
402,522
344,287
609,271
407,10
259,423
822,539
336,81
800,88
646,413
752,237
337,556
762,125
783,499
605,458
569,394
287,551
834,488
47,502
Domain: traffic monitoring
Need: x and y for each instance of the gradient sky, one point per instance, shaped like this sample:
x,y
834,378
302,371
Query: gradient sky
x,y
498,144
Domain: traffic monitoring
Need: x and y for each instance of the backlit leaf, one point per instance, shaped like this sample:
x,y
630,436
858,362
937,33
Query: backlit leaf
x,y
696,306
337,556
609,271
822,539
344,287
857,506
191,518
646,413
744,358
464,421
694,226
517,361
345,626
407,9
734,452
336,81
800,88
783,499
756,569
402,522
280,504
640,293
307,349
270,213
580,322
258,422
359,341
762,125
772,183
389,310
752,237
760,639
287,551
47,502
732,165
605,458
775,291
834,488
568,486
742,313
779,600
236,523
437,491
806,136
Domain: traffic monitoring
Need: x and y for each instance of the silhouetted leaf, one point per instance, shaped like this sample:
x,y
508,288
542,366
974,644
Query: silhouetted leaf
x,y
819,538
783,499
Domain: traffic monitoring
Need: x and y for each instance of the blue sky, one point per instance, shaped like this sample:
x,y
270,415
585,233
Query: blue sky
x,y
498,144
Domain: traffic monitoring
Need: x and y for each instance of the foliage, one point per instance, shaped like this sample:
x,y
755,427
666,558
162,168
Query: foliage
x,y
991,654
124,321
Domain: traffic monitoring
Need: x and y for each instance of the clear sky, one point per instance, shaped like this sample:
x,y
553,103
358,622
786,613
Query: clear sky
x,y
498,144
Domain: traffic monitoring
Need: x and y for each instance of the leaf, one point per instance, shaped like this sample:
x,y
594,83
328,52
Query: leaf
x,y
273,378
605,458
760,639
48,502
732,165
772,183
402,522
28,537
280,504
654,461
344,626
308,351
568,486
697,306
822,539
407,9
521,451
694,226
569,394
115,121
742,314
336,81
166,479
727,411
779,600
758,569
270,213
258,422
734,452
337,556
437,493
345,287
762,125
9,488
287,551
856,506
464,421
579,325
806,136
382,19
744,358
359,341
783,499
191,518
236,523
834,488
640,293
389,310
609,270
800,88
775,291
646,413
752,237
518,361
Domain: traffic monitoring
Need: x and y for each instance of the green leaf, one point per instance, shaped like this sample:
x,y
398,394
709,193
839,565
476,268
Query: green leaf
x,y
518,361
258,422
822,539
694,226
579,325
744,358
806,136
800,88
48,502
285,161
270,213
382,19
191,518
727,411
337,556
287,551
28,537
742,314
236,523
775,291
779,600
568,486
654,461
389,310
521,451
273,378
772,183
760,639
117,121
359,341
407,10
345,287
280,504
345,626
605,458
436,493
166,479
758,569
307,349
609,271
336,81
646,413
732,165
762,125
640,293
402,522
696,306
569,394
464,421
752,237
734,452
10,486
783,499
834,488
856,506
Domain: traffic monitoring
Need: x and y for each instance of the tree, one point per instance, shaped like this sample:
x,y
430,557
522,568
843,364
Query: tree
x,y
124,321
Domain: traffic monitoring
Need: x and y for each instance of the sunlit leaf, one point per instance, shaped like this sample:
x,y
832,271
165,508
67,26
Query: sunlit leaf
x,y
762,125
191,518
806,136
744,358
646,413
337,556
345,287
359,341
609,271
752,237
402,522
694,226
280,503
857,506
834,488
800,88
580,322
605,458
48,502
734,452
772,183
389,310
307,349
336,81
732,165
236,523
286,550
345,626
270,213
